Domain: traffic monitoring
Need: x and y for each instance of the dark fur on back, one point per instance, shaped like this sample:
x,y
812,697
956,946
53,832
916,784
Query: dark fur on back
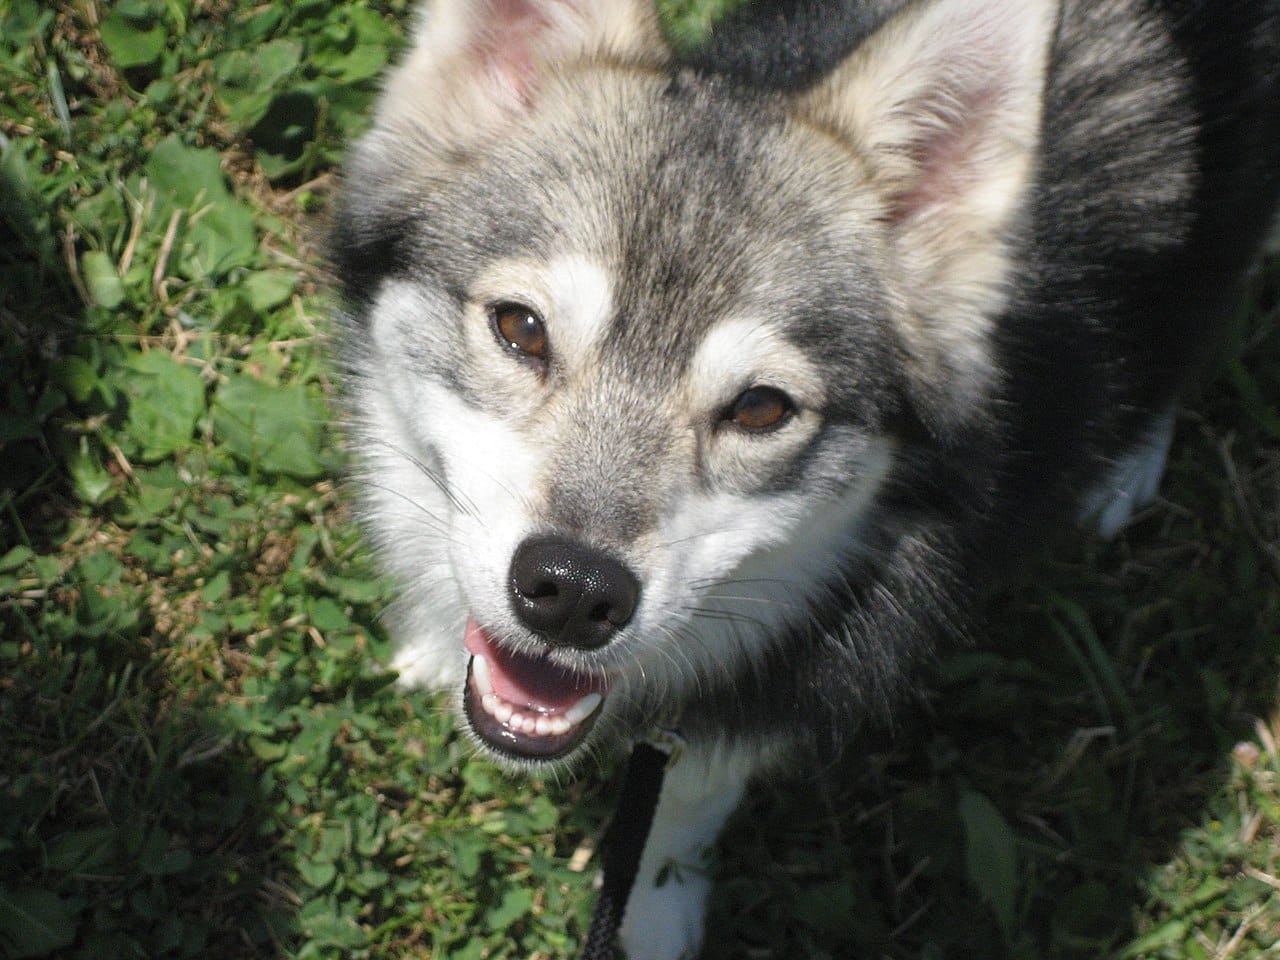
x,y
1130,284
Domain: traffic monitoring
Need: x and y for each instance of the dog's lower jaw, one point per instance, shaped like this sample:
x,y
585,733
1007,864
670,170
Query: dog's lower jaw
x,y
524,746
665,912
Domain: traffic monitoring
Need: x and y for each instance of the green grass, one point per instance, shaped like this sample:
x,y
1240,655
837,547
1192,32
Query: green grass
x,y
199,754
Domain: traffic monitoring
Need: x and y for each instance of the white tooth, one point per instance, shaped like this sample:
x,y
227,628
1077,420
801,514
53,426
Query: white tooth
x,y
543,726
582,709
480,674
502,710
530,726
559,726
490,703
515,721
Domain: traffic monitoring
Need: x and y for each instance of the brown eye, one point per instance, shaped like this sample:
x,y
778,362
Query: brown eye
x,y
520,328
760,408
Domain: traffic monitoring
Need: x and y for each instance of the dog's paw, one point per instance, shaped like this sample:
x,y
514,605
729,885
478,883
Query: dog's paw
x,y
664,920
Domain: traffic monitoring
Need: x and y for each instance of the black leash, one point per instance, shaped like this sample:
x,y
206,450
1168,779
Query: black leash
x,y
624,843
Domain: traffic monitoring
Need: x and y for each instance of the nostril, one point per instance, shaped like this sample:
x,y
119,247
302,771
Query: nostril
x,y
570,593
545,590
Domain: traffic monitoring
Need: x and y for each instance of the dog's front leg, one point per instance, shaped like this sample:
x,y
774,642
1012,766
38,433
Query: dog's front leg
x,y
664,915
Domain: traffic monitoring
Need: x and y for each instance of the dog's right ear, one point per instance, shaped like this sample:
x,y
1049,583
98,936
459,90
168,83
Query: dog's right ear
x,y
474,64
473,68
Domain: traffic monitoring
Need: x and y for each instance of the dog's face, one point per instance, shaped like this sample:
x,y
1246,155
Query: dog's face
x,y
630,348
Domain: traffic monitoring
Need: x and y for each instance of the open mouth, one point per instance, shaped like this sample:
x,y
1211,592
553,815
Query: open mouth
x,y
527,706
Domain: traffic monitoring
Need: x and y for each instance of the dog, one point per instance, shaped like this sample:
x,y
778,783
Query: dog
x,y
702,391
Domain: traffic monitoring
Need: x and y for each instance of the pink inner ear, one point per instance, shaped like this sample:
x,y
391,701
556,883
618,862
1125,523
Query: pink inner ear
x,y
944,155
505,45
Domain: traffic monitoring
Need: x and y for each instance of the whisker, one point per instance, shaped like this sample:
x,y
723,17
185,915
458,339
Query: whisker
x,y
702,535
739,598
700,582
726,616
521,499
460,501
409,500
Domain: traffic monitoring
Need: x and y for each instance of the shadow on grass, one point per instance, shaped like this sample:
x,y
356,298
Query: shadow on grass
x,y
39,310
130,817
131,824
1021,777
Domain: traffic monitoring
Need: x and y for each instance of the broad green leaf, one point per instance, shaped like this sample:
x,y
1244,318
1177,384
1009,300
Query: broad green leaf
x,y
177,860
261,67
267,750
468,849
272,427
82,851
20,202
371,831
219,237
217,588
146,502
991,857
543,814
369,879
475,949
327,615
22,22
185,175
267,289
515,904
34,923
335,931
332,844
132,41
166,397
264,20
371,27
15,558
1167,934
361,63
100,277
362,590
93,483
220,232
78,377
247,79
151,850
318,874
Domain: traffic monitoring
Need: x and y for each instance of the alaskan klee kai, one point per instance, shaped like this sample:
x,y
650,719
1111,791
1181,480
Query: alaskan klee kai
x,y
686,402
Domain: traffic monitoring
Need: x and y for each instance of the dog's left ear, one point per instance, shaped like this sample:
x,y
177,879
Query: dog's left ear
x,y
944,105
476,65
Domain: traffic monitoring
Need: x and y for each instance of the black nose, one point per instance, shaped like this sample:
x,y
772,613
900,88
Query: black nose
x,y
571,594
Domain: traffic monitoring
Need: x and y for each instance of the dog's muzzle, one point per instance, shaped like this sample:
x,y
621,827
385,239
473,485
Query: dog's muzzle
x,y
530,705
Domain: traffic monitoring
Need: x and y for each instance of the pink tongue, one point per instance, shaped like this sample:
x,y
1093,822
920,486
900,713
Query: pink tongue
x,y
532,682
